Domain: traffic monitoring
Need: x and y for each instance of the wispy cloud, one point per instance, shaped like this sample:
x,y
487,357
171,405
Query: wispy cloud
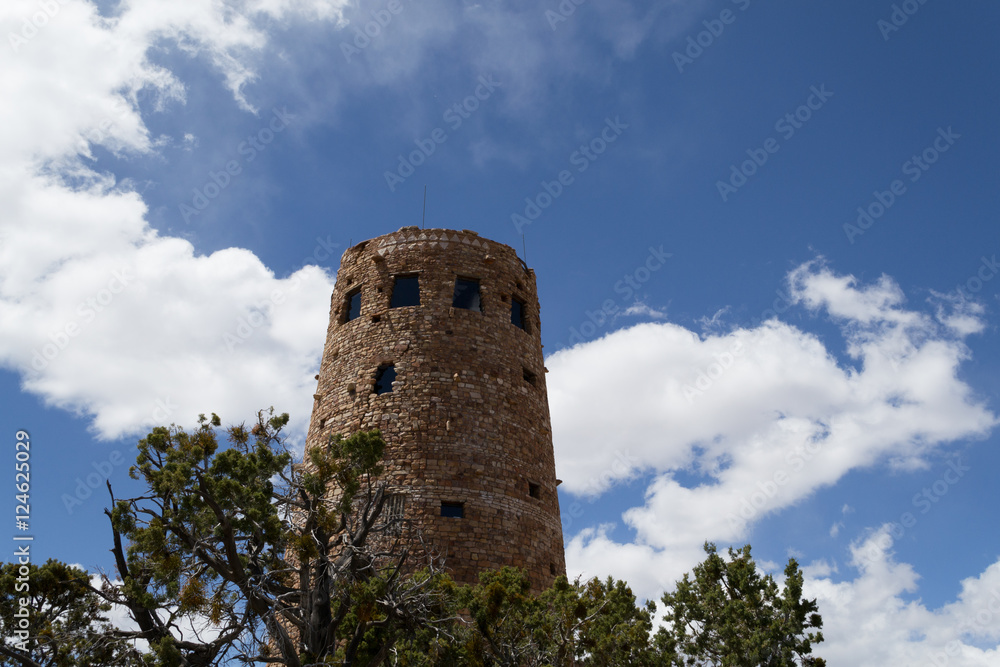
x,y
640,309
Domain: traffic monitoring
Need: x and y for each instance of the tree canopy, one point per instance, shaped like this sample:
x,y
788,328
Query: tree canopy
x,y
67,621
236,553
728,614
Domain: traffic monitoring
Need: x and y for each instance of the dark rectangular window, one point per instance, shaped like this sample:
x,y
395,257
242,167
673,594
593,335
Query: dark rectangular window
x,y
467,294
534,490
517,314
405,292
453,510
384,377
353,304
529,377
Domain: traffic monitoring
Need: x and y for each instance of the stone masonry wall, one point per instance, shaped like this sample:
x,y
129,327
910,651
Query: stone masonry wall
x,y
467,420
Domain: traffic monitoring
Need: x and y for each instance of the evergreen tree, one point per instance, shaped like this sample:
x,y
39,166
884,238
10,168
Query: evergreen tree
x,y
728,615
236,554
65,623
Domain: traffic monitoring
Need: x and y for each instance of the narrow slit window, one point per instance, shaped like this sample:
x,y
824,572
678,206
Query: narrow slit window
x,y
529,377
384,377
467,294
452,509
534,490
352,304
405,292
394,513
517,313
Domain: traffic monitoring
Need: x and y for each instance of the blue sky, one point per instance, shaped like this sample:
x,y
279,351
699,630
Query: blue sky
x,y
719,326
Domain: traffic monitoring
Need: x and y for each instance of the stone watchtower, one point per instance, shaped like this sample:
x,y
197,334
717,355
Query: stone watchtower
x,y
434,339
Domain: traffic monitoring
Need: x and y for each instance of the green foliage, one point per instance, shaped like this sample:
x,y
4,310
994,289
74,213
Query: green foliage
x,y
500,622
67,619
728,614
509,621
609,627
292,564
288,560
731,616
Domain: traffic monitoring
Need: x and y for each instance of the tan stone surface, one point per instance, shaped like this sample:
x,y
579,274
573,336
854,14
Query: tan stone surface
x,y
462,422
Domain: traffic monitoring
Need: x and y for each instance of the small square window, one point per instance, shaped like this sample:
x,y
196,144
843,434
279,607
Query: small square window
x,y
405,292
534,490
467,294
352,304
452,510
529,377
517,317
384,377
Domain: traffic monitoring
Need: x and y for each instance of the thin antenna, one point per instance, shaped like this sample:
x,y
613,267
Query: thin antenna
x,y
524,249
424,216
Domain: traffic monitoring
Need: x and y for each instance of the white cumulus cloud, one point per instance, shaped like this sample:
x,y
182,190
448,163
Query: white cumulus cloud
x,y
99,313
761,417
872,620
